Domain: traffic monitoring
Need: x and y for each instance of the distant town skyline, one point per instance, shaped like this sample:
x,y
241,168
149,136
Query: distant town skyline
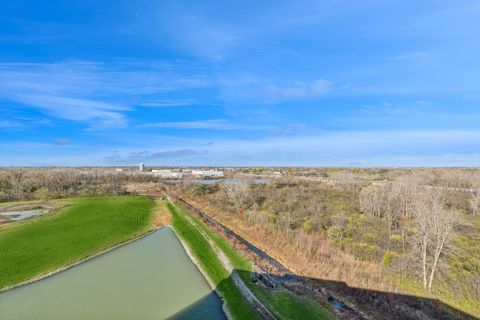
x,y
239,83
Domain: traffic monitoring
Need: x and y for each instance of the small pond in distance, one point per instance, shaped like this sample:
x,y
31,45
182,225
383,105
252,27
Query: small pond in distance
x,y
21,215
151,278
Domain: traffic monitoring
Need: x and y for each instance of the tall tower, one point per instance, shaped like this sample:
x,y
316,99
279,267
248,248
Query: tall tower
x,y
141,167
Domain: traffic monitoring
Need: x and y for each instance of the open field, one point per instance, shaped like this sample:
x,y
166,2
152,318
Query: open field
x,y
86,226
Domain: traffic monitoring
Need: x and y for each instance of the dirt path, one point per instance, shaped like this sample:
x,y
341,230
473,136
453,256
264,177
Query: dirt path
x,y
161,216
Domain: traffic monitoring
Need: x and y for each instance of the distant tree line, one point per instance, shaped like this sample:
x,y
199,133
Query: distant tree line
x,y
26,184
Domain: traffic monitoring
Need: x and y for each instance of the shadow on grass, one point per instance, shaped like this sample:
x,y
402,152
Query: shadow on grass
x,y
380,305
384,305
205,308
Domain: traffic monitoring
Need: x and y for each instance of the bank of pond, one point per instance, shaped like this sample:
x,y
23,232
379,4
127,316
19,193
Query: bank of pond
x,y
150,278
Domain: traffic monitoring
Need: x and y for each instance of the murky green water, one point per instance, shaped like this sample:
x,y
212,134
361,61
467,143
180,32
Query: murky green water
x,y
152,278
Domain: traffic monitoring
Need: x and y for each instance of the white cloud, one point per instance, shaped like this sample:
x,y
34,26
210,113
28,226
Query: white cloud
x,y
166,103
216,124
298,90
6,124
99,114
238,88
147,156
223,124
61,142
89,92
372,148
366,148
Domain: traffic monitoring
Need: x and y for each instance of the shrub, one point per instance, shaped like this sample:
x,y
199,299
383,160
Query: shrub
x,y
335,235
365,251
387,258
370,238
307,225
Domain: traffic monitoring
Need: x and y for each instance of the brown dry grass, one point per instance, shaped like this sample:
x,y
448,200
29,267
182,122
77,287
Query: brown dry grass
x,y
161,216
323,262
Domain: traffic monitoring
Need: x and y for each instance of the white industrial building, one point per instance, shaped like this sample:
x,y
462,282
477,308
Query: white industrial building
x,y
168,174
213,173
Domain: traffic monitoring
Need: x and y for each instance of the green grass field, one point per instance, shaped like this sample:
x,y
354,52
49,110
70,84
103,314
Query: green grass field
x,y
86,226
283,303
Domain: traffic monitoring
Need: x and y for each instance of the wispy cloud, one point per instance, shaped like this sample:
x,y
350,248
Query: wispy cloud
x,y
148,156
223,124
99,114
367,148
215,124
166,103
415,55
258,89
90,92
298,90
61,142
373,148
6,124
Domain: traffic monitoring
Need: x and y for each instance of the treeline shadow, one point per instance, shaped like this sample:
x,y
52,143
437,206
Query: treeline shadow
x,y
341,300
208,307
382,305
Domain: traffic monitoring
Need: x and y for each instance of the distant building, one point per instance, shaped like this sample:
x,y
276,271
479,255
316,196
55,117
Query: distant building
x,y
141,167
168,174
119,169
207,173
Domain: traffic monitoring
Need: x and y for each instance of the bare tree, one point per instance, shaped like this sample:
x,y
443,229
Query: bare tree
x,y
371,199
393,207
434,226
382,201
348,181
238,193
406,189
474,200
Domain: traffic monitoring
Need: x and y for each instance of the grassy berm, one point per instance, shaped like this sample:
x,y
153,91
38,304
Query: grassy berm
x,y
281,302
85,226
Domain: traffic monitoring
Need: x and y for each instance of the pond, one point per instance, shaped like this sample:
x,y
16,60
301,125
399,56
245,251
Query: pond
x,y
21,215
150,278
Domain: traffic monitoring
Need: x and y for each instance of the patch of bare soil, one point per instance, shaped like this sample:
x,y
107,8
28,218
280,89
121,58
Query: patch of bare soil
x,y
161,216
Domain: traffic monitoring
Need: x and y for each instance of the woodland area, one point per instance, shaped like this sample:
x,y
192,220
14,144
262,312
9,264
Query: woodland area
x,y
52,183
410,231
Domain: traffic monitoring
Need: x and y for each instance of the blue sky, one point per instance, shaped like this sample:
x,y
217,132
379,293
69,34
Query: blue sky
x,y
308,83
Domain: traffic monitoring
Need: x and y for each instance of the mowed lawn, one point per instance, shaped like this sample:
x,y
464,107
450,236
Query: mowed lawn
x,y
86,226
